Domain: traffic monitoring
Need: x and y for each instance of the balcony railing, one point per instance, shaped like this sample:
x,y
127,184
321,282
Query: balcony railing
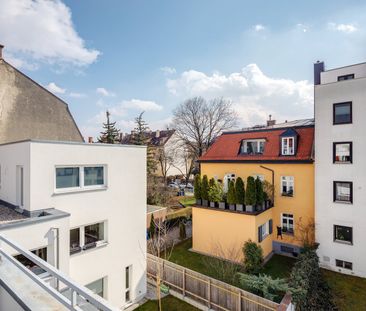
x,y
72,295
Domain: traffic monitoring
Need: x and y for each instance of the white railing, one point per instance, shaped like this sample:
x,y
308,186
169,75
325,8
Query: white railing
x,y
80,296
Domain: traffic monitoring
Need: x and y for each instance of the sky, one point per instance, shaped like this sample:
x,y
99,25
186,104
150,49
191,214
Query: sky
x,y
143,55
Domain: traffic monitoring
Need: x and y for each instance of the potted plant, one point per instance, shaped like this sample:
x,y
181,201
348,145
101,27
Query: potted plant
x,y
268,189
204,190
198,189
239,194
222,200
231,199
266,201
259,194
214,193
250,196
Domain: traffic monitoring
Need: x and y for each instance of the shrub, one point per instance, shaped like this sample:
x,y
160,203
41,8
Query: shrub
x,y
259,191
307,285
264,285
198,187
253,257
239,191
215,192
250,195
204,187
268,189
231,193
211,182
182,231
152,228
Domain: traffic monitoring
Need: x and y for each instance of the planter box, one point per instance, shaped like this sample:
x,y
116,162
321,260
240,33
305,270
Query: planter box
x,y
212,204
222,205
249,208
198,201
240,207
232,207
205,203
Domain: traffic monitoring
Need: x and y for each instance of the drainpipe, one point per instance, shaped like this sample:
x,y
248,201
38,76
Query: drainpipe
x,y
268,169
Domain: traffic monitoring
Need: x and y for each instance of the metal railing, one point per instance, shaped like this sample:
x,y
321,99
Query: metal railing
x,y
80,296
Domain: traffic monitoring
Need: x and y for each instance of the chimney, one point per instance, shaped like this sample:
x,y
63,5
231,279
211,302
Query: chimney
x,y
157,134
90,140
270,122
1,51
318,69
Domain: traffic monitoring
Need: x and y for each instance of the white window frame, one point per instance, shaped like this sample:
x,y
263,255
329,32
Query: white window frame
x,y
285,145
104,283
260,176
244,147
82,236
227,178
265,230
288,180
81,187
288,218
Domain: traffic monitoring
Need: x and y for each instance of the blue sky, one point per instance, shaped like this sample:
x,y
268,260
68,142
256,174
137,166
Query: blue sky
x,y
129,56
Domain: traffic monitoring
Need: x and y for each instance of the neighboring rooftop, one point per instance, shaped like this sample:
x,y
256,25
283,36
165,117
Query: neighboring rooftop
x,y
156,138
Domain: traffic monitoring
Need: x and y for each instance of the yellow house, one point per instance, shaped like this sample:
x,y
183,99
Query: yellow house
x,y
280,154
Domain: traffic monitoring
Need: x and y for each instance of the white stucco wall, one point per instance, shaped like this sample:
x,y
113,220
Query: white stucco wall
x,y
330,76
122,204
328,213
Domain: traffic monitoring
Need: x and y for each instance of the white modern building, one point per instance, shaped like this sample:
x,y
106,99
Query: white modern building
x,y
340,167
80,207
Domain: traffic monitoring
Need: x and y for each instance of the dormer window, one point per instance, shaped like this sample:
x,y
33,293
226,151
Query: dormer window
x,y
252,146
288,145
289,142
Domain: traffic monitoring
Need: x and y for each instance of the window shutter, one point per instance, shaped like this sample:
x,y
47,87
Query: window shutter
x,y
259,234
270,226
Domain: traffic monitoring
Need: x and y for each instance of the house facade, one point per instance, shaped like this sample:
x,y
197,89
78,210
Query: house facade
x,y
29,111
282,156
339,168
80,207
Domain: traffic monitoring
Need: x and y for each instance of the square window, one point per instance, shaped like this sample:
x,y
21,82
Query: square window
x,y
342,152
288,223
287,186
97,287
342,113
93,234
93,176
288,146
67,177
344,264
343,191
343,234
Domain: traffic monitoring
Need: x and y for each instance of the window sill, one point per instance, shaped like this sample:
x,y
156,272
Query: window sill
x,y
343,242
79,190
288,233
287,195
340,162
83,251
343,202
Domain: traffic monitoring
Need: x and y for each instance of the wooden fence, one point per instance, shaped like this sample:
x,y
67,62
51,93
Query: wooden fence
x,y
214,294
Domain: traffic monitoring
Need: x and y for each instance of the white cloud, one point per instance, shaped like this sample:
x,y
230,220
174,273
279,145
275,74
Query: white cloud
x,y
42,30
259,27
168,70
52,87
345,28
145,105
254,95
302,27
77,95
104,92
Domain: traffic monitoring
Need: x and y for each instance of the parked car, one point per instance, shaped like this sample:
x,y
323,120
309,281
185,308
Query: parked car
x,y
173,185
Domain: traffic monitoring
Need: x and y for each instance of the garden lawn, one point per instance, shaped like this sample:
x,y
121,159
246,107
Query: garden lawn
x,y
188,201
349,292
279,267
169,303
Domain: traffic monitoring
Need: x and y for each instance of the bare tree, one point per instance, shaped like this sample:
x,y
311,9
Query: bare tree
x,y
184,161
306,232
166,160
198,122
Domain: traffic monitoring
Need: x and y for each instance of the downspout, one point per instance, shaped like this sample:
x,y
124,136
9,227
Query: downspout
x,y
269,169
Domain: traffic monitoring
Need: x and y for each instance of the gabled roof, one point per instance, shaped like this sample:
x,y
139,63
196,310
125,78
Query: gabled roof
x,y
227,146
291,132
163,137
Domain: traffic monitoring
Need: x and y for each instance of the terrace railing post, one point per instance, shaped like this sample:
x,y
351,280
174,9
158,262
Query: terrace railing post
x,y
184,282
209,293
239,301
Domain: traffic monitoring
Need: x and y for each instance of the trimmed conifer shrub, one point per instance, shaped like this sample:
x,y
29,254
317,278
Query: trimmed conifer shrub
x,y
239,191
205,187
231,193
250,194
259,191
198,187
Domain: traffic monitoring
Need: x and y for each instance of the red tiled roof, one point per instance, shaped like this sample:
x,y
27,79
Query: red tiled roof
x,y
227,146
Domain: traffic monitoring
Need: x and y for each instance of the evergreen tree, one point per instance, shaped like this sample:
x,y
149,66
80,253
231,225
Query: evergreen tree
x,y
239,191
140,137
250,194
198,187
152,227
253,257
205,187
110,135
259,191
212,182
231,193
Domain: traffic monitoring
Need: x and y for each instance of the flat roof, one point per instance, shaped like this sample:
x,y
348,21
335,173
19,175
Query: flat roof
x,y
7,215
56,142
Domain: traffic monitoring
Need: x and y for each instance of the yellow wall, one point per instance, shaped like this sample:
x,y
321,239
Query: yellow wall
x,y
223,233
233,228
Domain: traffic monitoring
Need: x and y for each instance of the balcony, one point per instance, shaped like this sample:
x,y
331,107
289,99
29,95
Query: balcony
x,y
23,289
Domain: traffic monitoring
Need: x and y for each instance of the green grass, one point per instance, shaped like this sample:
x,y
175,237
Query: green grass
x,y
188,201
279,266
169,303
349,292
186,212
